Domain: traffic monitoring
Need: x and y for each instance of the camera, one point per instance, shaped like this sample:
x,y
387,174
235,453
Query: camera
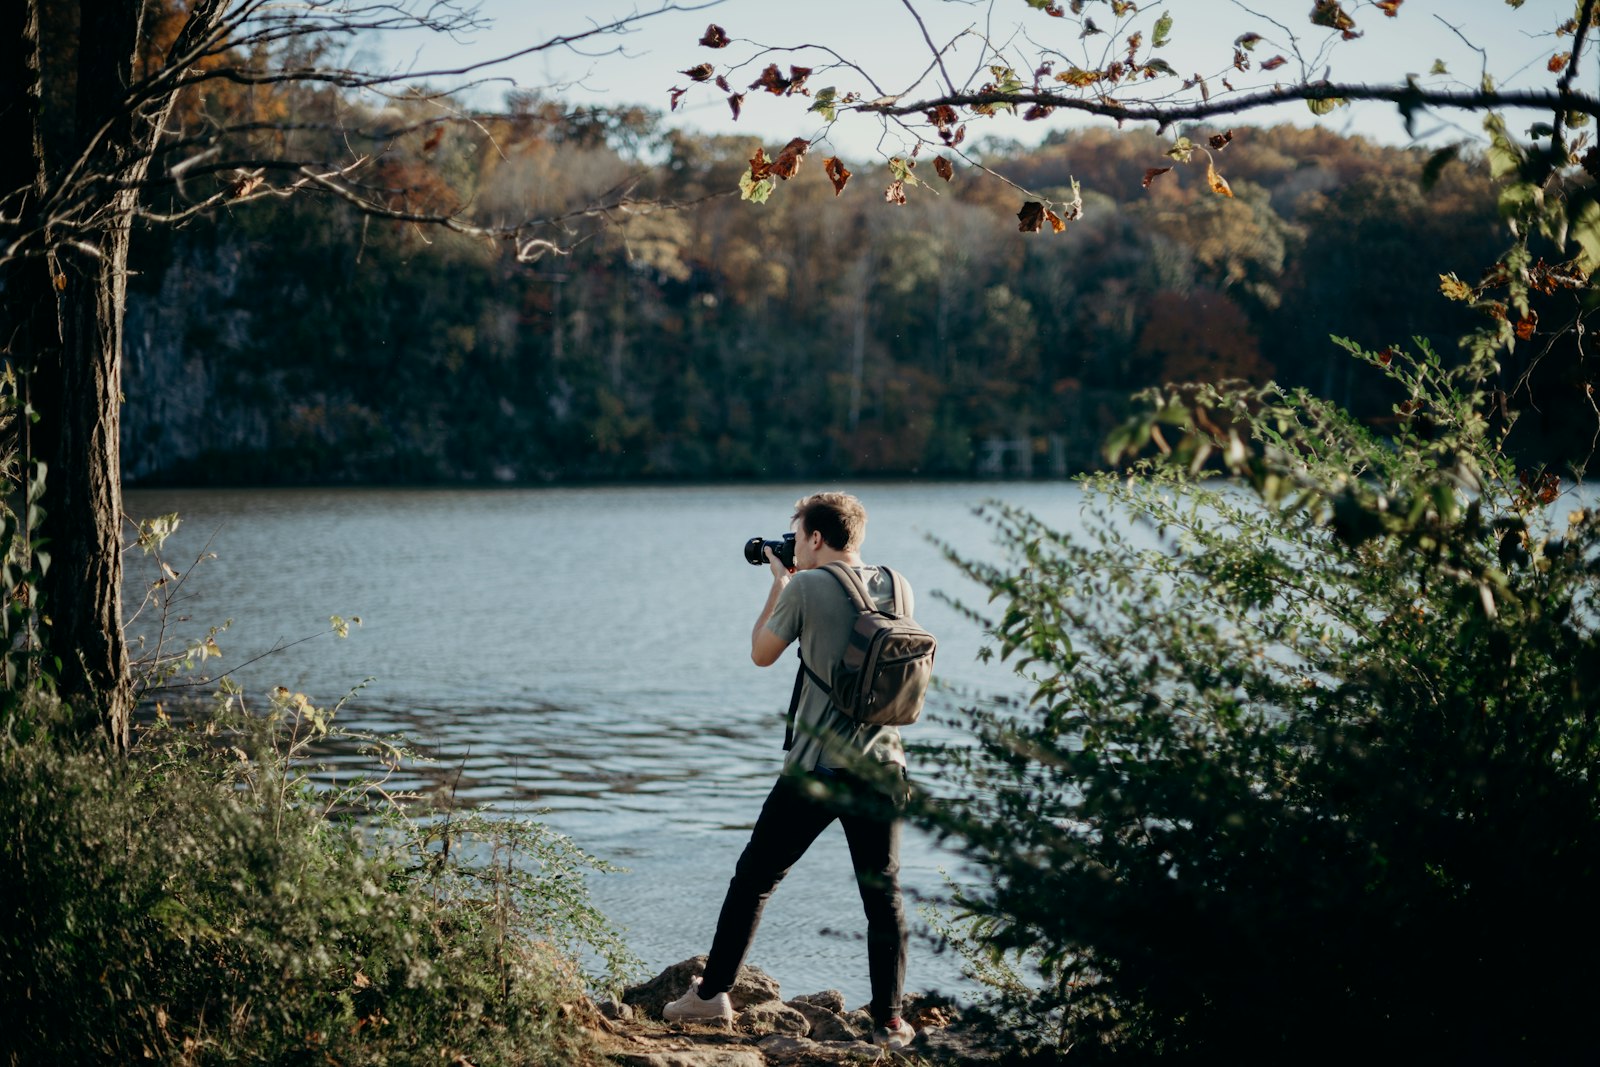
x,y
783,549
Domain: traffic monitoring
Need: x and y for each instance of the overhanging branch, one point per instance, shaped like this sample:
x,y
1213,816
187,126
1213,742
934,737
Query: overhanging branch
x,y
1407,97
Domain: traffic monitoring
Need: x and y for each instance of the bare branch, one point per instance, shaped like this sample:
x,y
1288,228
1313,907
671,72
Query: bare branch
x,y
938,53
1564,84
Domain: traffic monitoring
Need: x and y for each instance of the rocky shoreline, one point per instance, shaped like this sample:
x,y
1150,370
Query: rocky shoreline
x,y
769,1031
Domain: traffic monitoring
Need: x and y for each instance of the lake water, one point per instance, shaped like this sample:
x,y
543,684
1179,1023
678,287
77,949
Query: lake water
x,y
586,652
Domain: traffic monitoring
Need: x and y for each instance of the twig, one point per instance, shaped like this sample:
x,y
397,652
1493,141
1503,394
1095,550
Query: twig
x,y
938,53
1564,84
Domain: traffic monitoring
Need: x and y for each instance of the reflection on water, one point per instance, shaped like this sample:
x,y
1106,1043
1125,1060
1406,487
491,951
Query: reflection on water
x,y
585,652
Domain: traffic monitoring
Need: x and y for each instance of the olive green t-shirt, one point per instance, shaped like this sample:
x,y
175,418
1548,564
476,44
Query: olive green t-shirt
x,y
815,608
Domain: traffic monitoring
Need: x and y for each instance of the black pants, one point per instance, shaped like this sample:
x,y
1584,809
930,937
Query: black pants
x,y
796,811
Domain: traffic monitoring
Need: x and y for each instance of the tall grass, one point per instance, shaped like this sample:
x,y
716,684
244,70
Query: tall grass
x,y
208,900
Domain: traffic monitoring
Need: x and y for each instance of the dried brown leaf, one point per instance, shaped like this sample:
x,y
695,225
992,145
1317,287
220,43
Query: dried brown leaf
x,y
715,37
1218,183
790,158
943,168
760,166
772,80
837,173
1331,14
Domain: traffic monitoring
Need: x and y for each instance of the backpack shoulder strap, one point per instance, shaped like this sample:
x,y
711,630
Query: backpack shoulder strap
x,y
794,707
854,587
898,585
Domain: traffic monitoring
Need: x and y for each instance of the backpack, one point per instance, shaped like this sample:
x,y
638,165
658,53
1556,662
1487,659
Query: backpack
x,y
888,663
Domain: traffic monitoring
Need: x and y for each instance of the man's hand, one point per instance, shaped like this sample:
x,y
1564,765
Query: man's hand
x,y
766,646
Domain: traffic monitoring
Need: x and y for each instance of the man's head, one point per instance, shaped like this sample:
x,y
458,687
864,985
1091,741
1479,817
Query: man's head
x,y
834,521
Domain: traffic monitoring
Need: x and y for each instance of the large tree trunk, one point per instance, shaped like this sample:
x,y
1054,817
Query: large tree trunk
x,y
77,387
64,311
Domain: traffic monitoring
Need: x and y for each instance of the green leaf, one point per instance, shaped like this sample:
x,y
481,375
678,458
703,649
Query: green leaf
x,y
900,170
1505,158
1161,66
754,191
1182,150
1438,67
1162,32
825,103
1585,229
1006,80
1323,107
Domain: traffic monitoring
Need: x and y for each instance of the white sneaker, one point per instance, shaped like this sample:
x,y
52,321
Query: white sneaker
x,y
691,1007
897,1035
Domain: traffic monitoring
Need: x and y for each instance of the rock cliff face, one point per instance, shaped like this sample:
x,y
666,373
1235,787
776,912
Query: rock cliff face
x,y
178,404
768,1031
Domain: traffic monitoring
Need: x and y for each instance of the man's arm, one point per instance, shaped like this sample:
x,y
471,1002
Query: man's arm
x,y
766,646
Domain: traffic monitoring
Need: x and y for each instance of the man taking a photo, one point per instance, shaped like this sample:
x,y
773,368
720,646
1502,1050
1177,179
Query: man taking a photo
x,y
835,768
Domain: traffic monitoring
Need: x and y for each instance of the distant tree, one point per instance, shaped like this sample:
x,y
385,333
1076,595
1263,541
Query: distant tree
x,y
102,107
1105,58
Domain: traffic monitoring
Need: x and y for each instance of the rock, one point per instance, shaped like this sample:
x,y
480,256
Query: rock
x,y
925,1010
831,999
614,1009
945,1046
752,986
696,1058
781,1050
786,1045
826,1024
773,1016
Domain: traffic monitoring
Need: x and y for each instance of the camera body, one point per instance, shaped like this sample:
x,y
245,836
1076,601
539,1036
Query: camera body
x,y
783,549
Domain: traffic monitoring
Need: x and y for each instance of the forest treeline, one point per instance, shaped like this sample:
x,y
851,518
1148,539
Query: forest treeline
x,y
299,341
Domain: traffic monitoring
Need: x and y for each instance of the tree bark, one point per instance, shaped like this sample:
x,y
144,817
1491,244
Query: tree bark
x,y
64,302
76,388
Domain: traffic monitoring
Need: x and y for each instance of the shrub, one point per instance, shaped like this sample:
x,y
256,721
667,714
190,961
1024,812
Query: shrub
x,y
1309,768
206,900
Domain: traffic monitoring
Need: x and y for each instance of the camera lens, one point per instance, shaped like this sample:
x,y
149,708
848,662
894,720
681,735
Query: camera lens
x,y
783,549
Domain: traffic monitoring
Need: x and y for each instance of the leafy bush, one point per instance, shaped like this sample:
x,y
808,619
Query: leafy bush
x,y
206,901
1311,766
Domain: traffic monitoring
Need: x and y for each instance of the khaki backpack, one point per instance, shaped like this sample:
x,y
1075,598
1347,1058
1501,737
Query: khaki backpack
x,y
888,664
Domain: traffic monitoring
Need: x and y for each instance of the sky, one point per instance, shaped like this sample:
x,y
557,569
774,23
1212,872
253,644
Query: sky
x,y
884,39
